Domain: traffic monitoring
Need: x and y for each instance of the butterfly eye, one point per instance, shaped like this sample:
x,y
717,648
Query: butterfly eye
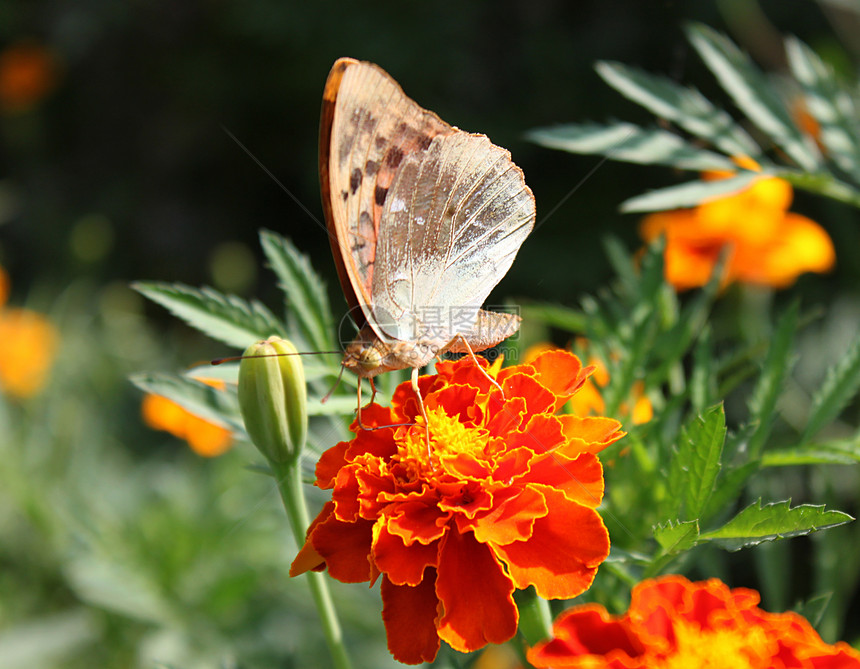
x,y
369,359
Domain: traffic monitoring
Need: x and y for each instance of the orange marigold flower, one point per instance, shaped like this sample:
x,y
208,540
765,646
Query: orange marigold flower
x,y
30,344
768,244
28,72
204,438
673,623
507,501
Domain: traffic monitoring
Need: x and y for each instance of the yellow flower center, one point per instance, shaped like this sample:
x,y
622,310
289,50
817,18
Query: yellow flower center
x,y
727,648
448,437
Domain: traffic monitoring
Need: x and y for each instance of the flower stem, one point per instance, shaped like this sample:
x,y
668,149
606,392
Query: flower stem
x,y
535,616
289,479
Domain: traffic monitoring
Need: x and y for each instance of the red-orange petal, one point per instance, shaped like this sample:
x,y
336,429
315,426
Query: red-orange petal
x,y
563,554
409,614
578,477
510,519
561,373
344,547
402,564
477,596
593,433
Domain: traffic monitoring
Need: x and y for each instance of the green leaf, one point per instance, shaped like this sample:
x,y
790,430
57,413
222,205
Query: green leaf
x,y
777,365
753,93
687,194
685,106
728,487
226,318
677,537
758,523
565,318
829,103
839,387
631,143
843,452
305,292
695,467
703,378
216,406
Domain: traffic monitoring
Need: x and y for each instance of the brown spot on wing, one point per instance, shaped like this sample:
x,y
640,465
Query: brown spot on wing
x,y
354,180
379,195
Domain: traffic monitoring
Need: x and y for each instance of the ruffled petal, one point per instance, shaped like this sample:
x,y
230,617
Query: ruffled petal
x,y
345,547
473,616
561,373
402,564
409,614
591,434
510,519
562,555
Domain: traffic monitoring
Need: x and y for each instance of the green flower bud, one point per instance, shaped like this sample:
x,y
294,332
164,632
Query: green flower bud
x,y
273,399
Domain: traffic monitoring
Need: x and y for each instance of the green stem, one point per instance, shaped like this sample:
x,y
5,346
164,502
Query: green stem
x,y
535,616
289,479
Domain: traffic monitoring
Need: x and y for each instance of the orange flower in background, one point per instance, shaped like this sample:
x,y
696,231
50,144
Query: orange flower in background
x,y
673,623
768,244
588,400
28,346
204,438
28,72
504,499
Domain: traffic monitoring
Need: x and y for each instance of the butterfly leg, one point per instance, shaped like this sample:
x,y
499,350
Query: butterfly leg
x,y
423,410
475,360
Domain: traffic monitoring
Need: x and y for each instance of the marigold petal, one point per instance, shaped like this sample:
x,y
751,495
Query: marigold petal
x,y
205,438
160,413
308,558
509,417
330,464
30,343
456,400
540,435
476,595
402,564
587,637
591,434
538,398
562,555
409,614
511,519
579,476
418,522
562,373
345,547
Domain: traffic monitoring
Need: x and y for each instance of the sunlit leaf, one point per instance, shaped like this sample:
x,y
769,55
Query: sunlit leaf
x,y
770,522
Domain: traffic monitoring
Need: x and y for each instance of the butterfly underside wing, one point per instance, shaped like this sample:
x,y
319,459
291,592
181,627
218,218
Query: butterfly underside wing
x,y
425,220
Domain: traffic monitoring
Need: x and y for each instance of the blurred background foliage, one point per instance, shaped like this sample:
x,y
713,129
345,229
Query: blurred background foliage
x,y
118,546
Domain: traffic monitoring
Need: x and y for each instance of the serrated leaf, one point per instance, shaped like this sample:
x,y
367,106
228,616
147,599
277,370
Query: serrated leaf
x,y
777,365
305,292
676,537
753,93
830,105
630,143
696,465
770,522
216,406
688,194
685,106
839,387
226,318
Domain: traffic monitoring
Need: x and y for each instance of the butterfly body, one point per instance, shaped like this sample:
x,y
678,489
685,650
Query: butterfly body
x,y
424,221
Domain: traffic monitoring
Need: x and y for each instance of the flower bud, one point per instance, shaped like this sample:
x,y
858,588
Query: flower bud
x,y
273,399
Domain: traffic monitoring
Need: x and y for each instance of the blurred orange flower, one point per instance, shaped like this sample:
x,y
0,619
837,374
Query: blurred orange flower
x,y
673,623
768,244
29,346
204,438
28,72
588,400
505,498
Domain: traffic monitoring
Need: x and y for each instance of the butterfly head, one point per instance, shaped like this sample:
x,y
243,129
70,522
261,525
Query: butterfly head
x,y
364,358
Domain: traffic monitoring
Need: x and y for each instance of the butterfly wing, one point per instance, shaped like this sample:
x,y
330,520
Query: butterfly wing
x,y
452,223
368,127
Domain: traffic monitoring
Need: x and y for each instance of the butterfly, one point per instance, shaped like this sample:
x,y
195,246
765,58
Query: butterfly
x,y
424,220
